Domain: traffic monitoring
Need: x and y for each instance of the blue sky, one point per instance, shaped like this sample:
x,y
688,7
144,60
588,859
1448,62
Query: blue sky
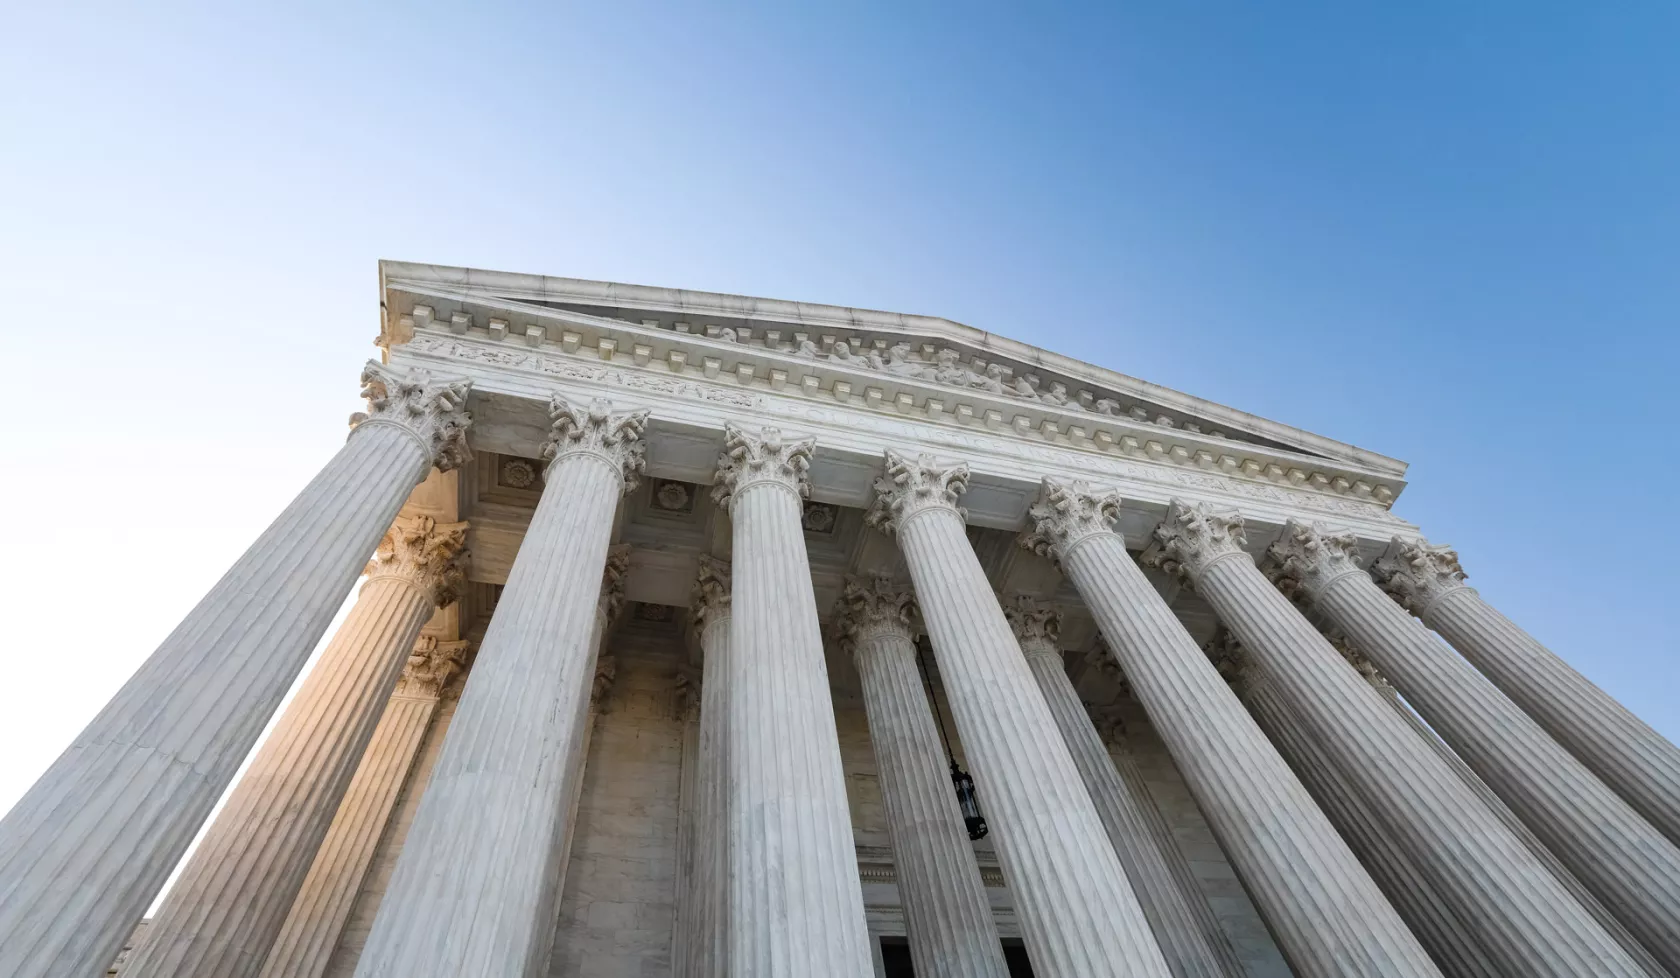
x,y
1445,234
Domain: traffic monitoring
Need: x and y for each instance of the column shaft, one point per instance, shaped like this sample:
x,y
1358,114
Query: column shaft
x,y
795,902
476,885
1634,760
1329,919
1078,913
947,915
88,847
708,895
1622,859
1526,921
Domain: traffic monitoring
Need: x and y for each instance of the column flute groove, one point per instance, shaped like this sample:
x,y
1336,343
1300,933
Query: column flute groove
x,y
1526,921
476,885
1078,913
87,848
1634,760
1329,918
707,901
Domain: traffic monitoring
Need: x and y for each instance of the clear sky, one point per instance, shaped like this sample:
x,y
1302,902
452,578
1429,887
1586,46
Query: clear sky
x,y
1445,234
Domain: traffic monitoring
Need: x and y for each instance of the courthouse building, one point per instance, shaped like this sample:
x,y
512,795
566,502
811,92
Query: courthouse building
x,y
704,636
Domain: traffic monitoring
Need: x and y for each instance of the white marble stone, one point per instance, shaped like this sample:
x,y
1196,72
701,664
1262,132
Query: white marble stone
x,y
89,846
704,944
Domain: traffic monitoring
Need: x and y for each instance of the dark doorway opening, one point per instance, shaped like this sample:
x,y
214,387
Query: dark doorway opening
x,y
895,951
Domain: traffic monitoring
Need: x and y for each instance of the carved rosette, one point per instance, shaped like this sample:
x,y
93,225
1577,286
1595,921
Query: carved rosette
x,y
710,598
431,556
611,602
1037,625
1193,538
430,667
615,439
872,607
915,486
1066,515
1416,573
1308,557
432,409
763,459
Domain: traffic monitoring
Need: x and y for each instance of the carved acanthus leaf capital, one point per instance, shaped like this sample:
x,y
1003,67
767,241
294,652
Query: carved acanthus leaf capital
x,y
1066,514
1308,557
611,601
913,486
606,670
1416,573
430,555
765,458
1037,624
596,430
1193,538
1101,658
430,667
432,409
685,694
710,598
1229,658
1110,722
872,607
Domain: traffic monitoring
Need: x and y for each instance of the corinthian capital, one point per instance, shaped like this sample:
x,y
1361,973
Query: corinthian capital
x,y
1066,514
1037,624
913,486
1194,538
613,438
1308,557
763,459
430,555
431,409
1415,573
611,602
430,667
710,599
873,607
1110,722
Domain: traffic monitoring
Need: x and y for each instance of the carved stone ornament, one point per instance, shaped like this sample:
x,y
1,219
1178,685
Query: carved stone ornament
x,y
1228,657
430,667
1101,658
1193,538
613,438
763,459
1110,722
915,486
874,606
1355,658
710,599
431,409
685,694
1308,557
612,583
1066,514
1037,624
1417,573
606,670
430,555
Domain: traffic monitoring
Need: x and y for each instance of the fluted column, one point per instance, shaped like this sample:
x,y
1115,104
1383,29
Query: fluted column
x,y
1449,942
1329,918
1079,916
795,903
1525,920
704,910
1637,762
322,907
223,913
1191,950
947,916
475,887
83,853
1626,863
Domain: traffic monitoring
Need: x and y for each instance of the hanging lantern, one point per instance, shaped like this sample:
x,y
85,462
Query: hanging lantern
x,y
972,818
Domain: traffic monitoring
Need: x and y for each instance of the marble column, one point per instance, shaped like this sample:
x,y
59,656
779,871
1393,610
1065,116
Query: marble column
x,y
705,905
1449,942
83,853
795,903
1621,858
1191,950
476,886
1634,760
947,916
1328,917
324,901
1526,922
227,906
1078,913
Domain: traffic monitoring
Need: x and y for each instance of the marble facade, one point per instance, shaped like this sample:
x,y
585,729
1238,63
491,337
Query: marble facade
x,y
682,609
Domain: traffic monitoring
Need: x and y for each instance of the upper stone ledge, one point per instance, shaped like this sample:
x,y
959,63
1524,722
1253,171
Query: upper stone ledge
x,y
620,300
